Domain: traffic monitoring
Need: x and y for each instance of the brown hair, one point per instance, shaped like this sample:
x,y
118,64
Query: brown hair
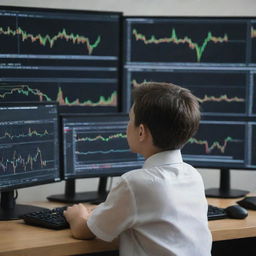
x,y
171,113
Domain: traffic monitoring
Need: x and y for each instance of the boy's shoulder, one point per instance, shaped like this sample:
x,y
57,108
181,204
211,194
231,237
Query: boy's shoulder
x,y
133,173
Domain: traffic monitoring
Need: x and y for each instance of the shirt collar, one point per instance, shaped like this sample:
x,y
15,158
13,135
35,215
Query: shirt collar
x,y
164,158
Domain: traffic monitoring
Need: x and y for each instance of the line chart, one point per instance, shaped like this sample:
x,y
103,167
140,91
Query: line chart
x,y
221,146
47,40
217,141
173,38
25,163
101,138
29,133
253,32
253,44
218,92
103,151
185,40
223,97
63,100
205,98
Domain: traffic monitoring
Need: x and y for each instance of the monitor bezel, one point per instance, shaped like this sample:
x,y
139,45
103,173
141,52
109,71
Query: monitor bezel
x,y
69,10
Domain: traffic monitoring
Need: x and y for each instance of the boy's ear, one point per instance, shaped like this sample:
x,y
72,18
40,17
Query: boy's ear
x,y
142,132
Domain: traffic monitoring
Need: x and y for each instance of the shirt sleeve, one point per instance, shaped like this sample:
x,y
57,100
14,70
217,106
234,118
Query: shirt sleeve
x,y
115,215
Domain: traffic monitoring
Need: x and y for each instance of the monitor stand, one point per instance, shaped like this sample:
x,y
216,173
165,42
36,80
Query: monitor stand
x,y
71,196
9,210
225,190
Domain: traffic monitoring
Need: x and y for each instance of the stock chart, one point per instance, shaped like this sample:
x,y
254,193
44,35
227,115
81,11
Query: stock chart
x,y
253,38
28,144
218,141
70,57
97,146
215,59
219,92
186,40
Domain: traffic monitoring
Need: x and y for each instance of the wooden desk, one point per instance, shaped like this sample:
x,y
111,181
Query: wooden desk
x,y
227,229
18,239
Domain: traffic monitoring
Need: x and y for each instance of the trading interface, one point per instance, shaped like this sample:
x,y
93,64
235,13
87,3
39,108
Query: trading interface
x,y
186,40
215,58
220,92
64,56
98,147
228,142
28,144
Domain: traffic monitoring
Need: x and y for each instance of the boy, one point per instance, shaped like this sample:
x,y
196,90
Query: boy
x,y
160,209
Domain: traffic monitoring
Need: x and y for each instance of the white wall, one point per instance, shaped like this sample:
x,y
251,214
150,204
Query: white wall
x,y
150,7
240,179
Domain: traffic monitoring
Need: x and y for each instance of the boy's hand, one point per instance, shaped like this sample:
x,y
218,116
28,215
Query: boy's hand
x,y
76,211
77,216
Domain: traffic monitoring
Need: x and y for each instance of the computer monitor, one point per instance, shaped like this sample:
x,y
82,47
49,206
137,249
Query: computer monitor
x,y
29,151
215,59
67,56
94,146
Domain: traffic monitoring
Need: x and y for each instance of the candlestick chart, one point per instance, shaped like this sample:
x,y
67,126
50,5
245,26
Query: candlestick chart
x,y
218,92
163,40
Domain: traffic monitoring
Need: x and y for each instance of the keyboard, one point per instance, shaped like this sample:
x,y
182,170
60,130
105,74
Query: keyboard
x,y
216,213
52,219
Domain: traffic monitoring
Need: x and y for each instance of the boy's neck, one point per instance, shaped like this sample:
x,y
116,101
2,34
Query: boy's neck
x,y
150,151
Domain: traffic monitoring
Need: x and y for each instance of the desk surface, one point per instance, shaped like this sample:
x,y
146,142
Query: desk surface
x,y
18,239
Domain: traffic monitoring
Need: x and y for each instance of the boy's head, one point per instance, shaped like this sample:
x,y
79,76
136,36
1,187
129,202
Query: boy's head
x,y
170,112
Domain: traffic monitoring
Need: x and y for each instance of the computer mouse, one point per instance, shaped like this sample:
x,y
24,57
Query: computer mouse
x,y
236,212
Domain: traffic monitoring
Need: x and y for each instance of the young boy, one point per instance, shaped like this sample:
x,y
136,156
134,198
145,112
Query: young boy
x,y
159,210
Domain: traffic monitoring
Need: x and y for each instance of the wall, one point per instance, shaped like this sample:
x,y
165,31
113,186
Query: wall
x,y
240,179
151,7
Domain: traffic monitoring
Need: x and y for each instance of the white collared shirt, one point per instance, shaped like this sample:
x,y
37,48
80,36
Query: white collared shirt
x,y
160,210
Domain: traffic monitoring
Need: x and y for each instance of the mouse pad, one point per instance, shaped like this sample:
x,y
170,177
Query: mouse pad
x,y
248,202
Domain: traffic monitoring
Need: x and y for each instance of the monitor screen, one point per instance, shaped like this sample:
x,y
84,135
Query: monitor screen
x,y
225,144
29,147
202,40
215,59
94,146
67,56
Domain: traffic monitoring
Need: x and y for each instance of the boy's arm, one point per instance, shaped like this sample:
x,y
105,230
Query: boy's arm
x,y
77,217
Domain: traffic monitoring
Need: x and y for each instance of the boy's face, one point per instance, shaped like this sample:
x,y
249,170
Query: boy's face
x,y
132,132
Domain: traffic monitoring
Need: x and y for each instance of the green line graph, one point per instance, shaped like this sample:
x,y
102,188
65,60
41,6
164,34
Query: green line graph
x,y
60,98
102,138
47,40
215,145
29,133
173,38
